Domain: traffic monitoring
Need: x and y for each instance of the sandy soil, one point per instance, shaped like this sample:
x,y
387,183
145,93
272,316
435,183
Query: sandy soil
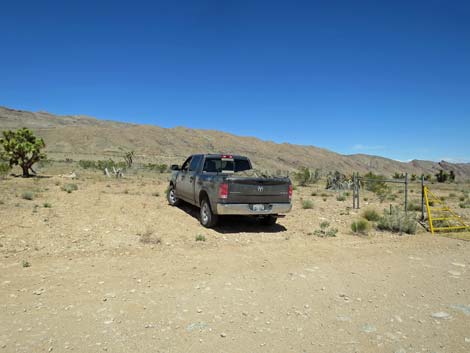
x,y
111,267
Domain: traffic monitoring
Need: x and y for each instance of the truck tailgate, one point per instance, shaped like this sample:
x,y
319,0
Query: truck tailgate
x,y
257,190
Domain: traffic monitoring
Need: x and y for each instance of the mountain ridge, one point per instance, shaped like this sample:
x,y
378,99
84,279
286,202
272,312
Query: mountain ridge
x,y
83,137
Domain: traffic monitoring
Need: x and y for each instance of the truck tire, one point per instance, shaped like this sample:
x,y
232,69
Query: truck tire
x,y
171,196
207,218
269,220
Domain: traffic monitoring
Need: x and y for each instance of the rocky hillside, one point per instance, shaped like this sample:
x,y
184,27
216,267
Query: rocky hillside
x,y
82,137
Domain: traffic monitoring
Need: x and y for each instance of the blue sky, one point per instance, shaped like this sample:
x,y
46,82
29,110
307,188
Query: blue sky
x,y
390,78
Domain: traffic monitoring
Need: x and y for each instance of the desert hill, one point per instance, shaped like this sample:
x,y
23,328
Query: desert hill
x,y
81,137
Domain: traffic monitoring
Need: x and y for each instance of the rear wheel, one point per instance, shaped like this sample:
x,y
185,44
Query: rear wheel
x,y
269,220
171,196
207,218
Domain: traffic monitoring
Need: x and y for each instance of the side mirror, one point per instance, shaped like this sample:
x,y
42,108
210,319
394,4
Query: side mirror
x,y
174,167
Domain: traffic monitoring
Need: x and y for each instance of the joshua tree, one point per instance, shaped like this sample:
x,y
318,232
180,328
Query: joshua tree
x,y
22,148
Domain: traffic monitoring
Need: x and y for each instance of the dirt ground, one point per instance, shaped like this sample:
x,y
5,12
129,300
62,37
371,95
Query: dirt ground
x,y
111,267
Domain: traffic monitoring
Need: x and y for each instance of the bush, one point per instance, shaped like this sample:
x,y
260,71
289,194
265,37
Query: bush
x,y
25,263
414,206
361,226
398,222
314,194
46,205
325,230
307,204
161,168
4,169
27,195
70,187
305,176
200,237
340,197
371,215
465,204
102,164
156,194
375,183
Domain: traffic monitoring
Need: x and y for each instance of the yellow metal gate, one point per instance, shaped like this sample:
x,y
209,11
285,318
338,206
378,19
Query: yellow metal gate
x,y
439,212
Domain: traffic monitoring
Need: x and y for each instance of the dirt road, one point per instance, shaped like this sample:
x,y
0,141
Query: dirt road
x,y
113,268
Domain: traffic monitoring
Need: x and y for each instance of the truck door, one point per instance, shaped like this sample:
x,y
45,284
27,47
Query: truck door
x,y
188,179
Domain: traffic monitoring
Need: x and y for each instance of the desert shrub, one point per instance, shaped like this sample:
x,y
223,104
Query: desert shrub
x,y
375,183
462,198
360,226
69,188
160,168
4,169
304,176
371,215
398,221
452,195
366,199
442,176
25,263
307,204
341,197
200,237
102,164
324,199
314,194
414,205
156,194
464,204
147,238
27,195
325,230
46,205
398,176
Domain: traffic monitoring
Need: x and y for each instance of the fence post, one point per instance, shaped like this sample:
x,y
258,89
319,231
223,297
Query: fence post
x,y
422,198
358,188
406,192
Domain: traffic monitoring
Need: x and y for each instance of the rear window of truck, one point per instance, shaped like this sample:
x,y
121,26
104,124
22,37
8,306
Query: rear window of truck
x,y
219,165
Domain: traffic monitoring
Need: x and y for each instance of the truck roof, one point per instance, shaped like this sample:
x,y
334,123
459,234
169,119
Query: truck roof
x,y
219,155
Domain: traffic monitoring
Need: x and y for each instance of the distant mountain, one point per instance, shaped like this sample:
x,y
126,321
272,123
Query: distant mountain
x,y
81,137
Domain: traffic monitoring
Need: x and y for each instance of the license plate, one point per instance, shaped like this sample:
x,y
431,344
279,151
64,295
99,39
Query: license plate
x,y
258,207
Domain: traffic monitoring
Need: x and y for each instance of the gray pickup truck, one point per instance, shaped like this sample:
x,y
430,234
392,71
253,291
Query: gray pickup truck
x,y
218,184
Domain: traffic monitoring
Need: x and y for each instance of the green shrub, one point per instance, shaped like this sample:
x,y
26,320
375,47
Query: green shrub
x,y
314,194
46,205
371,215
341,197
160,168
325,230
4,169
69,188
398,222
414,206
452,195
27,195
360,226
366,199
304,176
324,199
462,198
465,204
375,183
307,204
200,237
25,263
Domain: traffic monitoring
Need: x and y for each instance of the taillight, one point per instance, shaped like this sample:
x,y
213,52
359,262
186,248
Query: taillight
x,y
289,192
223,191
